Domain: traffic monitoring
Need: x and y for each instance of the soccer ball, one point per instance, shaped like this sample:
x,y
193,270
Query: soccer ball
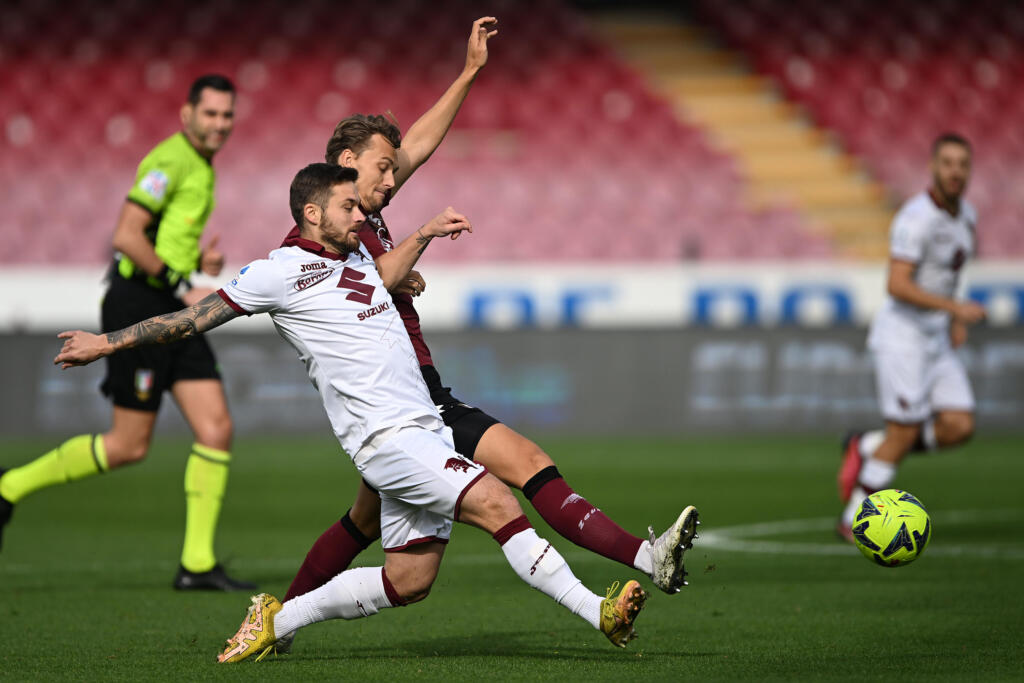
x,y
892,528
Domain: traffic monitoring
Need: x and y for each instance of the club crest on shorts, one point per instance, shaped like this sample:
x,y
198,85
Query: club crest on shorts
x,y
458,465
143,383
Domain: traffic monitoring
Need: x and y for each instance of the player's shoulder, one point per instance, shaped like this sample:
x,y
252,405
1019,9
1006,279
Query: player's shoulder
x,y
917,213
919,205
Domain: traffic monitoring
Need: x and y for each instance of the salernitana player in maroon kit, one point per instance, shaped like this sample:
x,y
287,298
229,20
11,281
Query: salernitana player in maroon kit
x,y
385,161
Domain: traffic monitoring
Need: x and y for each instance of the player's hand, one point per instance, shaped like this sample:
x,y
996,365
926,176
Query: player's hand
x,y
448,222
81,348
195,295
968,312
957,334
476,52
413,285
211,259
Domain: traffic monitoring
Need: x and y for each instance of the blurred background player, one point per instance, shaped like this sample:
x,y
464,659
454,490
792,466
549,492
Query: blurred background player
x,y
923,389
157,248
375,147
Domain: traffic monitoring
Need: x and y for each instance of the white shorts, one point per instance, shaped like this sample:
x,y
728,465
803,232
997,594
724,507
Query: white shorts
x,y
912,385
421,481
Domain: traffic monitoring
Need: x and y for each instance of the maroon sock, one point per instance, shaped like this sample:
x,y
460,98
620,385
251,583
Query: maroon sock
x,y
332,553
573,517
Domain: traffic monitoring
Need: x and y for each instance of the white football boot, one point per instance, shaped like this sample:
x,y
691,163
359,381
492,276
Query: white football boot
x,y
667,551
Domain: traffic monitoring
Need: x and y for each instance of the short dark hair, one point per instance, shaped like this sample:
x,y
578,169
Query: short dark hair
x,y
355,133
950,139
213,81
313,185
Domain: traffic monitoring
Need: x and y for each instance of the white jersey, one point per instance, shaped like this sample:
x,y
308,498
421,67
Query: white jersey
x,y
336,313
939,244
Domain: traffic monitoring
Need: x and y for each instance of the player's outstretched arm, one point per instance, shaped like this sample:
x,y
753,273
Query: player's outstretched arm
x,y
426,134
82,348
396,265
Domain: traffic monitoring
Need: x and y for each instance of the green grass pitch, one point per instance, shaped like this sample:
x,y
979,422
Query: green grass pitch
x,y
85,573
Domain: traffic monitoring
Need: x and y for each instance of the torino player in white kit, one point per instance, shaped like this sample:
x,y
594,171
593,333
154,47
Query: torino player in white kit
x,y
328,300
925,396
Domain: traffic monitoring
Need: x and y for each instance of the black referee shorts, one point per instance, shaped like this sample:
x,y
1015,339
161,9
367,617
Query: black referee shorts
x,y
468,423
137,378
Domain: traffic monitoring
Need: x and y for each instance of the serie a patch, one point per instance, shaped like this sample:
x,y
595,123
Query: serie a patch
x,y
155,184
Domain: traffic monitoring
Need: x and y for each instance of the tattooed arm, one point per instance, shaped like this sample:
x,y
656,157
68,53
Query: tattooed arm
x,y
396,265
82,348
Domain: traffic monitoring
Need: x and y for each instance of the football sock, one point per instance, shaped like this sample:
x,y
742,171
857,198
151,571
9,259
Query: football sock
x,y
353,594
926,441
876,475
330,555
870,441
77,458
539,564
856,498
572,516
644,560
206,477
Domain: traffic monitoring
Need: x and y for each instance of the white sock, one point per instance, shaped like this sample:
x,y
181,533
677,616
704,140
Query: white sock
x,y
643,560
870,441
876,475
928,435
856,498
538,563
353,594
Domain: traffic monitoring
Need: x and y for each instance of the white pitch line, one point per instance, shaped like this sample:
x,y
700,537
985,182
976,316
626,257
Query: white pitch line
x,y
738,538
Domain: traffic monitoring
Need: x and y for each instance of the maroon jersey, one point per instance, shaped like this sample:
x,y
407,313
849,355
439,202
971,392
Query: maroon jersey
x,y
375,237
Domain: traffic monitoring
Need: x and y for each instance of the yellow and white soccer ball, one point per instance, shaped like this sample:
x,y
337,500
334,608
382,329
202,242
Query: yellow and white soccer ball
x,y
892,528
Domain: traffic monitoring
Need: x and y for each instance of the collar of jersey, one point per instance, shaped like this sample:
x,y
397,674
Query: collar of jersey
x,y
292,239
937,201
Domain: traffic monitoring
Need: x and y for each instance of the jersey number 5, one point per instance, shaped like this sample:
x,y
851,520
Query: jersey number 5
x,y
350,279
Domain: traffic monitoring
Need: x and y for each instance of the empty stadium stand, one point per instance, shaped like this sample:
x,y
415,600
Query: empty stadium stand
x,y
887,77
561,152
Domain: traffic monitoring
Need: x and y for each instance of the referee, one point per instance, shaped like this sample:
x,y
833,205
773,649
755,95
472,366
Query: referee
x,y
157,248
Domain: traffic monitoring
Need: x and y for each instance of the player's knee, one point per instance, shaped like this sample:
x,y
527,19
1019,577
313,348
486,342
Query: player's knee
x,y
494,504
958,428
414,593
904,436
537,459
125,452
411,586
215,431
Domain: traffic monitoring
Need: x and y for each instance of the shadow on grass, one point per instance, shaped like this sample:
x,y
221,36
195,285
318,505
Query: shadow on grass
x,y
514,644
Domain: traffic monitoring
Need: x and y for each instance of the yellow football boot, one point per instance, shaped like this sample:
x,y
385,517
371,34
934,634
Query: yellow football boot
x,y
618,613
256,634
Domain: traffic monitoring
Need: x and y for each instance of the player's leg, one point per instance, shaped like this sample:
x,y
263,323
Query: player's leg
x,y
953,428
489,505
904,383
334,550
406,577
519,462
878,471
87,455
950,424
952,400
420,468
204,407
